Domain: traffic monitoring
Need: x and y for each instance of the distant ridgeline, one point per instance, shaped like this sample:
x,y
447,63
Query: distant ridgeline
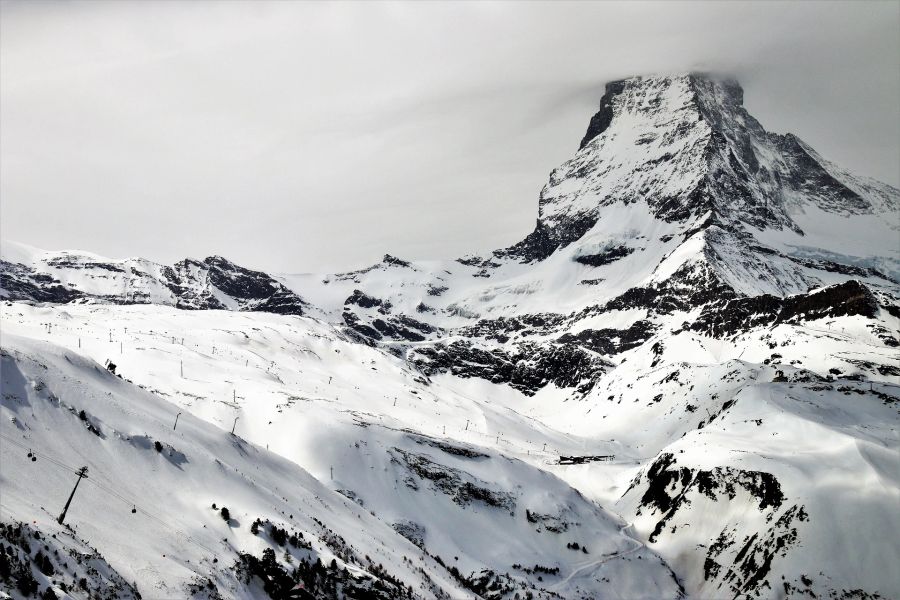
x,y
700,334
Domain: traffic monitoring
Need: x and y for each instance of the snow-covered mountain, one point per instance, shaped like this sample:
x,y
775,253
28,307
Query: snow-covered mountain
x,y
213,283
683,382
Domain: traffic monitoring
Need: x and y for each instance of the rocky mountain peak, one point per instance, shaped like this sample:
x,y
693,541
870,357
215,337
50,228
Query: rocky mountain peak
x,y
697,296
644,93
686,147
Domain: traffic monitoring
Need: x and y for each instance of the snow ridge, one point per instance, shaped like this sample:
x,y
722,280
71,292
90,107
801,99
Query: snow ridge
x,y
683,383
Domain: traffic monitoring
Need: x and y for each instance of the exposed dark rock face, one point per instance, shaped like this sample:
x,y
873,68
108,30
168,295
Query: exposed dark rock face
x,y
544,241
265,577
359,298
282,302
68,262
809,177
462,488
689,287
412,531
668,485
402,328
252,287
583,460
193,285
885,335
612,341
393,260
21,282
362,332
830,266
604,116
752,562
372,318
573,360
741,314
552,523
444,446
527,367
599,259
182,281
503,328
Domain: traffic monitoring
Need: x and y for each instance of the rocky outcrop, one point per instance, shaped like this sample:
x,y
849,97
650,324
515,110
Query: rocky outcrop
x,y
211,284
20,282
692,176
720,319
604,116
527,367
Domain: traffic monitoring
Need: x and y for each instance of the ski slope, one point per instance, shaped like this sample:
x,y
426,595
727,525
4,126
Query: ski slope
x,y
362,457
683,383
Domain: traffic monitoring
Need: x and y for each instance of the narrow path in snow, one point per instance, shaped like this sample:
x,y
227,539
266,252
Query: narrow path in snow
x,y
593,564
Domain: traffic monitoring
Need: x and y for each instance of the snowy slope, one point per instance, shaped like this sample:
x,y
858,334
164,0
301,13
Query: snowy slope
x,y
449,497
175,538
215,282
684,381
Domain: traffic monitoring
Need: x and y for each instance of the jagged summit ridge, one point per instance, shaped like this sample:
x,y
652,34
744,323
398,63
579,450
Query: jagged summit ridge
x,y
728,90
670,165
697,298
212,283
687,147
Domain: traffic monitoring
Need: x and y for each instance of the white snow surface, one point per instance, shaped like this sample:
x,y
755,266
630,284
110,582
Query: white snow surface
x,y
759,460
273,373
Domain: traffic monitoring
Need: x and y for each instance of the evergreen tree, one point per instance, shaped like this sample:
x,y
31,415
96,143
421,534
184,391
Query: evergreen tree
x,y
26,584
278,534
44,564
4,565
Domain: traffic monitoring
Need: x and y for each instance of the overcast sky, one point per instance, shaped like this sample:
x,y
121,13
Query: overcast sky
x,y
298,136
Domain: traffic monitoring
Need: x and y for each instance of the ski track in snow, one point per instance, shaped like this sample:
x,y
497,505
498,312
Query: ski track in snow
x,y
693,356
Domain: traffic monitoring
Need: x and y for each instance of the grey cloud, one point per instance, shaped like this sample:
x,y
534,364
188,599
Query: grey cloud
x,y
308,136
